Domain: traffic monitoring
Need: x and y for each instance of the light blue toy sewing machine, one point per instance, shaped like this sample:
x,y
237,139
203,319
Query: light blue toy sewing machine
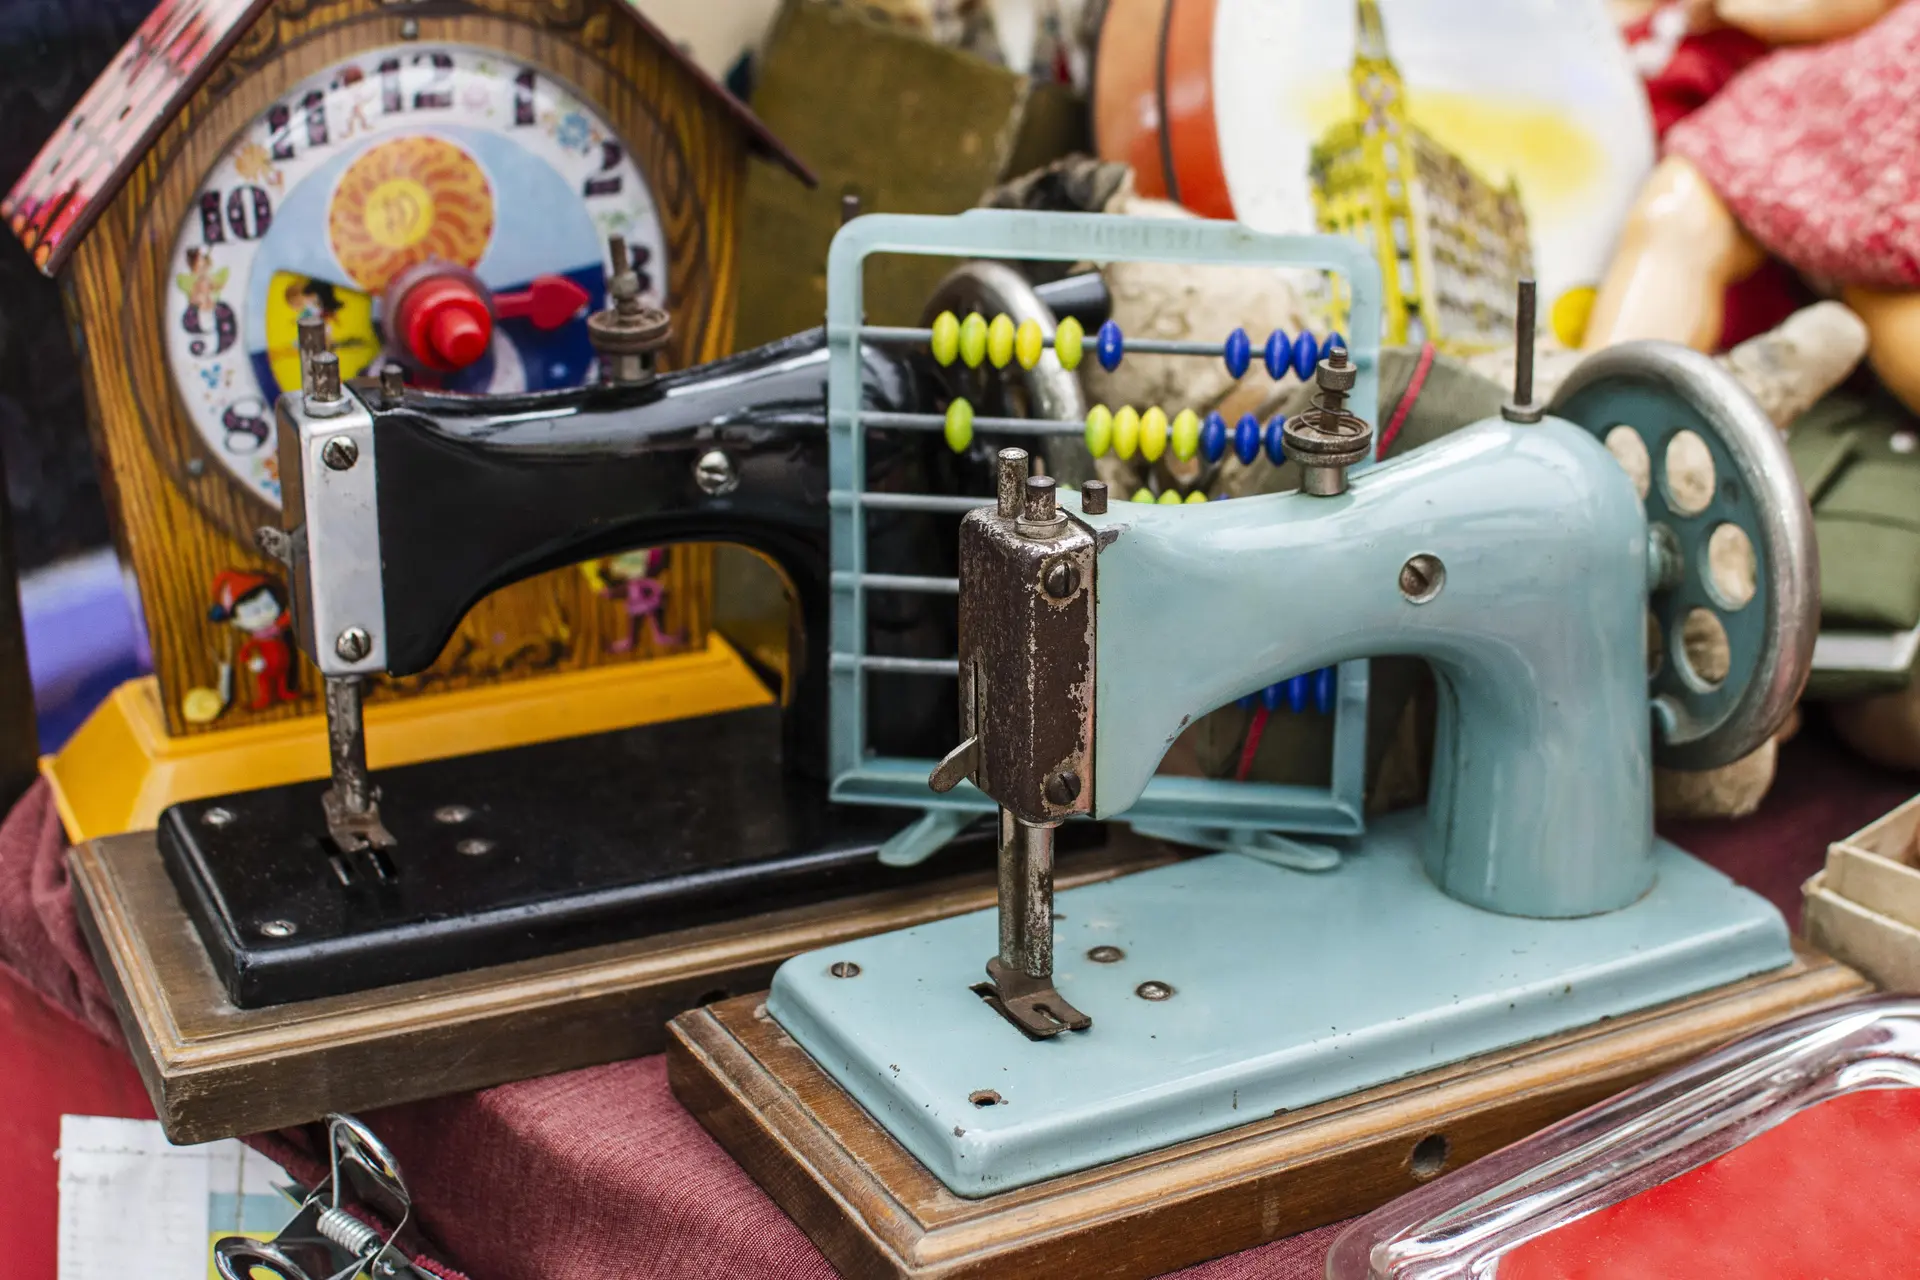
x,y
1530,897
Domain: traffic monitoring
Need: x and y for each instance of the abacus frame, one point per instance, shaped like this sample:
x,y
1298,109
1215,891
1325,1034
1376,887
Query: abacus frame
x,y
1173,805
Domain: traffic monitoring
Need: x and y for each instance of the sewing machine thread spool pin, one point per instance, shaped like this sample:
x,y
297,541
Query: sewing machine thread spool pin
x,y
1522,407
1011,479
1040,513
312,340
324,396
627,334
1093,498
1326,439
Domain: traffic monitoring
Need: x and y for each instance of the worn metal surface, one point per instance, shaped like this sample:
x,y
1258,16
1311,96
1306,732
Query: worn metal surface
x,y
352,804
330,516
1328,438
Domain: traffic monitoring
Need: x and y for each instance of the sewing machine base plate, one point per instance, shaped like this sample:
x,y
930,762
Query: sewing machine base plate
x,y
551,847
1240,988
214,1070
875,1211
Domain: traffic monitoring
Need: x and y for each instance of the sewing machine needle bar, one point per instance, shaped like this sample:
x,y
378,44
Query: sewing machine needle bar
x,y
351,805
954,504
1021,975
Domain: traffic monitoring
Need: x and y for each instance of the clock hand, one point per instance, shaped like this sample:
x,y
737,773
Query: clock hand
x,y
548,301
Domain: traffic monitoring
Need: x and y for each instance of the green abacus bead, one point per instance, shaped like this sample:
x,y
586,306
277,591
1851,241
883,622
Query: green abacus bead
x,y
959,429
1143,494
1099,430
1028,343
1171,498
973,340
1153,433
1000,341
1126,433
1067,341
1186,434
946,338
1196,496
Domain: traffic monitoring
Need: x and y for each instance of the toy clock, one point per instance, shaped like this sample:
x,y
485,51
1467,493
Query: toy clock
x,y
438,182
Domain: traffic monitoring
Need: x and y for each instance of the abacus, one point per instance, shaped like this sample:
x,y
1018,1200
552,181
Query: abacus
x,y
1203,811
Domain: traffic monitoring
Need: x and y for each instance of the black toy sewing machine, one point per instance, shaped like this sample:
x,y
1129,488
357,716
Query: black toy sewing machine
x,y
403,508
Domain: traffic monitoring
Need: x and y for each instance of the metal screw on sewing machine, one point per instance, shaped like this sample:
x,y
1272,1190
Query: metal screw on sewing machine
x,y
1151,990
410,29
1093,498
714,474
196,467
844,969
1063,788
340,453
1061,580
474,847
1040,514
278,928
628,334
217,817
452,815
849,206
1326,439
1106,955
1522,408
1422,577
353,644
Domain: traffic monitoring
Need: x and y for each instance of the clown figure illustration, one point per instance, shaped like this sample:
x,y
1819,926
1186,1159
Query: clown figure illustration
x,y
255,606
633,579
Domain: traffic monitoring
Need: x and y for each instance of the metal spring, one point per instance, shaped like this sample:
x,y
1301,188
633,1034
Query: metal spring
x,y
347,1231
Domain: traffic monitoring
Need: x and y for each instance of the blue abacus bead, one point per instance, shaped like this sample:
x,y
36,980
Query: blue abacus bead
x,y
1276,440
1323,689
1213,438
1297,692
1305,356
1272,696
1238,353
1246,703
1279,354
1246,438
1109,346
1334,339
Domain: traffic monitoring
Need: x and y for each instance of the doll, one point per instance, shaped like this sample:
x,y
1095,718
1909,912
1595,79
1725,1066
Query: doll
x,y
1810,154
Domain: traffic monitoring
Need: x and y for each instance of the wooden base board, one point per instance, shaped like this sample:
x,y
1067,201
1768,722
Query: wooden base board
x,y
875,1211
214,1070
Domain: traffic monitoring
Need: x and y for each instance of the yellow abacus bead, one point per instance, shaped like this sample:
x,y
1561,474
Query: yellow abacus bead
x,y
1099,430
1143,494
1171,498
1153,433
1186,434
946,338
1000,340
973,340
1196,496
1067,339
959,429
1126,433
1028,344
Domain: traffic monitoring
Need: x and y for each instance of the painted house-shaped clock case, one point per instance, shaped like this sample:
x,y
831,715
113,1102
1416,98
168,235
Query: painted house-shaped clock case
x,y
244,162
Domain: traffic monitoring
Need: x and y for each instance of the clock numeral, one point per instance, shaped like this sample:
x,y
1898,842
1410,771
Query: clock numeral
x,y
523,85
315,104
279,120
601,184
393,100
212,229
249,212
225,329
246,426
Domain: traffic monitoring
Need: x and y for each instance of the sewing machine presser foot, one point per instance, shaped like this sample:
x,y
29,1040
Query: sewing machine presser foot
x,y
1031,1004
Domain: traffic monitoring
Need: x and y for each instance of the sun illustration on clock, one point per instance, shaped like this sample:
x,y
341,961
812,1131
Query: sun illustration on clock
x,y
412,200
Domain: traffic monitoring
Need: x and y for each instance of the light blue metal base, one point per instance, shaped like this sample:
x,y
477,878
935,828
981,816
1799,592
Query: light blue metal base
x,y
1288,989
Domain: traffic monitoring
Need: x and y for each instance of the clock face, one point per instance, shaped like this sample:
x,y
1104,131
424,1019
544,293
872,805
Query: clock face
x,y
442,206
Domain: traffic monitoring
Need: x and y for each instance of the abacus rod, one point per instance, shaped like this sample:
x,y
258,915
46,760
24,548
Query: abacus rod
x,y
900,666
899,582
1134,346
957,504
877,421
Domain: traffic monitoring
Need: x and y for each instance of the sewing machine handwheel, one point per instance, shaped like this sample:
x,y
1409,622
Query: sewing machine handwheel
x,y
1678,407
1048,390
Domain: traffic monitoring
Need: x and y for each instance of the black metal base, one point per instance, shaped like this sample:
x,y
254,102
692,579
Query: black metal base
x,y
515,854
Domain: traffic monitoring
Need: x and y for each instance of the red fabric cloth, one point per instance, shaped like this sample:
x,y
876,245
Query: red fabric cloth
x,y
1816,150
1683,68
600,1173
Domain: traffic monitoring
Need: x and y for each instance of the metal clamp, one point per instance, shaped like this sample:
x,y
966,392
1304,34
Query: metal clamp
x,y
326,1240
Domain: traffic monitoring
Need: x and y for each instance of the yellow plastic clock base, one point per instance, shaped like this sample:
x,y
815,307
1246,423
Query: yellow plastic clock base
x,y
121,769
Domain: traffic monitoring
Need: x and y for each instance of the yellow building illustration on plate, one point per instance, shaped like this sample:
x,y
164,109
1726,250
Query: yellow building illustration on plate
x,y
1451,245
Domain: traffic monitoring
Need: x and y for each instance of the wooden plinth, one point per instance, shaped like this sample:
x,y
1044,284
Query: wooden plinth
x,y
874,1210
213,1070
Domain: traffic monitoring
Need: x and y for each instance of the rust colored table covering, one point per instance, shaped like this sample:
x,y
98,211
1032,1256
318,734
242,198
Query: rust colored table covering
x,y
599,1173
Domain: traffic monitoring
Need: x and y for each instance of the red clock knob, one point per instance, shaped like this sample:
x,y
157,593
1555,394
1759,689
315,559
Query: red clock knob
x,y
444,322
